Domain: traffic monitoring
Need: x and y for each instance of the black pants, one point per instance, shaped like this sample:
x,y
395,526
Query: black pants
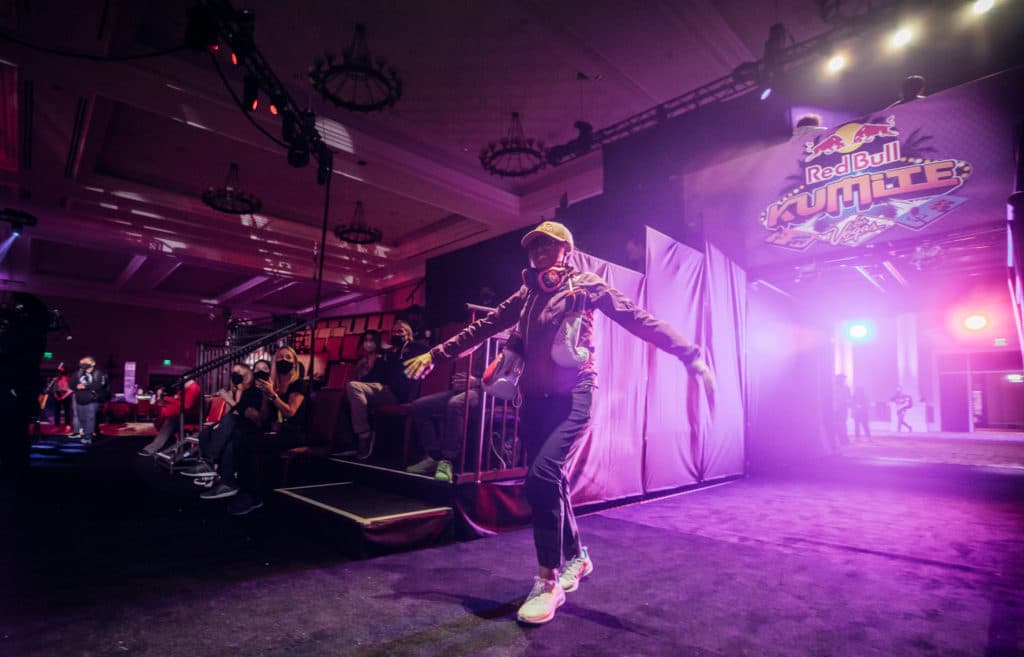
x,y
550,428
257,456
452,403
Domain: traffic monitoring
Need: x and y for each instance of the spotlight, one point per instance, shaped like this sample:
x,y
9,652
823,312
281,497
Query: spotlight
x,y
250,92
234,59
860,331
975,322
273,109
766,93
981,6
16,229
901,37
836,64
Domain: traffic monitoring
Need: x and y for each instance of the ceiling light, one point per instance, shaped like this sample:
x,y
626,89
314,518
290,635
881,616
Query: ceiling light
x,y
514,155
357,83
230,199
357,231
981,6
901,37
836,64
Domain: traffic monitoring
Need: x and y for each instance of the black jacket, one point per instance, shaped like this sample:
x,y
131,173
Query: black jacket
x,y
390,370
96,391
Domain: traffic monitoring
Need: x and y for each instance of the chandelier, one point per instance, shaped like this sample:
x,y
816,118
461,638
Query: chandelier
x,y
357,83
230,198
514,155
357,231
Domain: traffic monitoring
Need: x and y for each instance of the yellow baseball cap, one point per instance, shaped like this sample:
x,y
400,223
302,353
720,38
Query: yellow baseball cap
x,y
552,229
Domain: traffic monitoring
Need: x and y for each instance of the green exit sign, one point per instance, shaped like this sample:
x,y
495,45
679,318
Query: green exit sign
x,y
167,362
48,355
999,342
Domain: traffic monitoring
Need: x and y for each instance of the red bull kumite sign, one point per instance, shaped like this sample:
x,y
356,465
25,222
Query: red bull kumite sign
x,y
858,182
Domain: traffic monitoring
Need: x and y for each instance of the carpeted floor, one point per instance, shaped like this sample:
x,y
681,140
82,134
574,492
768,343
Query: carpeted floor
x,y
840,558
1003,450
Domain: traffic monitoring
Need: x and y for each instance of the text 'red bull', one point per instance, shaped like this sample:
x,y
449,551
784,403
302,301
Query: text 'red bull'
x,y
863,191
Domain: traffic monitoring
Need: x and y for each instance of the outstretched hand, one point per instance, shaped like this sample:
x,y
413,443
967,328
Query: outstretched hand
x,y
700,370
418,367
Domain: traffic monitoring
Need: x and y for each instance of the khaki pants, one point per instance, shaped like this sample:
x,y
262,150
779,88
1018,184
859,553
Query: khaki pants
x,y
363,395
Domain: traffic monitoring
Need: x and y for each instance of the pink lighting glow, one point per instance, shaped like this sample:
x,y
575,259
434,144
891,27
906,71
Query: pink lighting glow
x,y
975,322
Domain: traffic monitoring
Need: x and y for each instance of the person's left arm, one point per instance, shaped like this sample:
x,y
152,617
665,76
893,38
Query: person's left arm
x,y
290,404
621,310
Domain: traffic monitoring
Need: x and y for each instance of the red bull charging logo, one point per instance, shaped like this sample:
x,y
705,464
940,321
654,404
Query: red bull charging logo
x,y
860,181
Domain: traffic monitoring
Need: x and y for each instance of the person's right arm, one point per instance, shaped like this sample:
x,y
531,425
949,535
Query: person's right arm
x,y
504,316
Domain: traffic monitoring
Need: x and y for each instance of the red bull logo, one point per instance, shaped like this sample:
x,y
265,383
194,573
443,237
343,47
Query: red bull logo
x,y
831,144
848,197
850,137
868,132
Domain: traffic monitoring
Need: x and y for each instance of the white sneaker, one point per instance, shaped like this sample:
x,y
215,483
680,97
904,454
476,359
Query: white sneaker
x,y
579,567
425,467
545,598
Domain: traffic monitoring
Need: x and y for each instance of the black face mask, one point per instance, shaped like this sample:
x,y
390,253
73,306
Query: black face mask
x,y
261,376
398,341
284,366
236,378
85,366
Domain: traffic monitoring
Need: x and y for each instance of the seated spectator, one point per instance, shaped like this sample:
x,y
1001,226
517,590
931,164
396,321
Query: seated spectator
x,y
371,346
442,450
385,384
167,422
284,407
243,414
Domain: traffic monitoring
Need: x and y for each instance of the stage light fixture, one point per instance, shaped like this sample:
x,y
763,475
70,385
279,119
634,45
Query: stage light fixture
x,y
836,63
16,229
765,93
234,59
981,6
975,322
860,330
901,37
250,92
298,153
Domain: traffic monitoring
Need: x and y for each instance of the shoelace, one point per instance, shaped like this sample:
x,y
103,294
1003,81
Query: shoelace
x,y
576,565
540,587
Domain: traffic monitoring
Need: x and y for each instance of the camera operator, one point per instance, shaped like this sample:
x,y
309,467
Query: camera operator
x,y
23,324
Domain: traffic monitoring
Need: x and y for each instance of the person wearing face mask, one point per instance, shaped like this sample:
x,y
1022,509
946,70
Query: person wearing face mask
x,y
553,313
242,414
370,344
90,387
385,384
284,409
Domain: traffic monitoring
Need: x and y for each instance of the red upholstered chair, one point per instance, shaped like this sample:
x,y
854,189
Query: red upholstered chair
x,y
214,414
326,409
339,374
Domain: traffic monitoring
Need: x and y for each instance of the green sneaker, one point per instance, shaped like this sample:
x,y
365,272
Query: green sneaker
x,y
545,598
444,471
576,569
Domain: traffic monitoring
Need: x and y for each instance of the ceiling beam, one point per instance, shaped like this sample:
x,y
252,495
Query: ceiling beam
x,y
241,288
130,270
